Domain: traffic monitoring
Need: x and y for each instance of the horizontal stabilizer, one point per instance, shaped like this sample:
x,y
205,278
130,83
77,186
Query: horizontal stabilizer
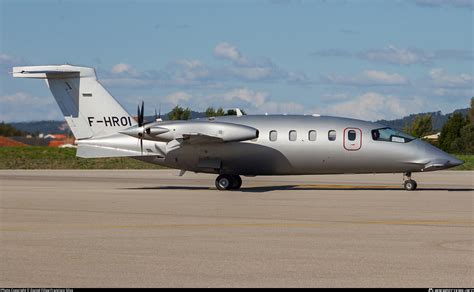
x,y
93,151
51,72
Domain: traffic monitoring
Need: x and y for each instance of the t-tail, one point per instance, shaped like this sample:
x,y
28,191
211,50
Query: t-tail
x,y
89,109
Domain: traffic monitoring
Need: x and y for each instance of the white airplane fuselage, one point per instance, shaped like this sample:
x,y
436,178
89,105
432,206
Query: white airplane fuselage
x,y
232,145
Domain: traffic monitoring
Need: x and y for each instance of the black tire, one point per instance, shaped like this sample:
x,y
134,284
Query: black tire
x,y
236,182
224,182
410,185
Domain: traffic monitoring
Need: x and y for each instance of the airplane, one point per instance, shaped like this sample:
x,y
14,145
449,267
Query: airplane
x,y
233,146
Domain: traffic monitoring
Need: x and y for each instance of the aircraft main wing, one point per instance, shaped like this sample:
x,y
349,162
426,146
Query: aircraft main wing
x,y
199,138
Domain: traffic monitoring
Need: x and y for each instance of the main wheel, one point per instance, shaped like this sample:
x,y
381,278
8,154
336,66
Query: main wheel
x,y
410,185
224,182
236,182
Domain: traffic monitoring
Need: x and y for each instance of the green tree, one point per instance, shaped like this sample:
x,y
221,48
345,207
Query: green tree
x,y
471,111
210,112
179,113
8,130
452,131
465,142
231,112
422,126
220,112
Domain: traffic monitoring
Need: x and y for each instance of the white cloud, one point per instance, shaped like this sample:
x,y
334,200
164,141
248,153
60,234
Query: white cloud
x,y
230,52
396,55
246,69
178,97
375,106
399,56
22,106
384,77
8,60
281,107
454,3
254,98
440,78
454,92
252,101
367,78
194,73
126,82
123,68
254,73
335,96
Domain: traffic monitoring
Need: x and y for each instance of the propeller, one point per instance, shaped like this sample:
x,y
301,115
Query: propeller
x,y
141,114
158,117
141,117
142,130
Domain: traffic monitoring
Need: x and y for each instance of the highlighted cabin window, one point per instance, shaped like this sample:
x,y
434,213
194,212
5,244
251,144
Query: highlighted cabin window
x,y
351,135
273,135
332,135
292,135
312,135
87,94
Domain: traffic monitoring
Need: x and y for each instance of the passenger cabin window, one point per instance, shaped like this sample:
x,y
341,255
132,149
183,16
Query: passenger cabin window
x,y
332,135
312,135
273,135
351,135
391,135
292,135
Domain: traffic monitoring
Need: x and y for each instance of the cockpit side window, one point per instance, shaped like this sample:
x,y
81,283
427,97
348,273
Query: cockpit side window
x,y
390,135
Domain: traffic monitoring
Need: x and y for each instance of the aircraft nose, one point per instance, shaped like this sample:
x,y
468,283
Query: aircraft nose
x,y
453,161
436,159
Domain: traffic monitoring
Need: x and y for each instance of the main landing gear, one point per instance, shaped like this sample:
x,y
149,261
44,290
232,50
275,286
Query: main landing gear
x,y
409,184
228,182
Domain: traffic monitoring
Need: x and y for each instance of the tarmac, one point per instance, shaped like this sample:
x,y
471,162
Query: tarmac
x,y
152,228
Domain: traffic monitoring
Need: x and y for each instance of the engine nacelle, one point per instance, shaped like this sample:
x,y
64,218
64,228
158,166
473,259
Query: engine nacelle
x,y
172,130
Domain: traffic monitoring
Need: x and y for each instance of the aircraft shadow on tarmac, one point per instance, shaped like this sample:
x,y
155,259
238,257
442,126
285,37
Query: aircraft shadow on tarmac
x,y
264,189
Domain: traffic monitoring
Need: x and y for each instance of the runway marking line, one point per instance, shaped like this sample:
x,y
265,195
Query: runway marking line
x,y
250,225
346,187
223,225
414,222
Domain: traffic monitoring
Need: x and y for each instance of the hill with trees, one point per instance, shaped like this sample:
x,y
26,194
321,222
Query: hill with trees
x,y
438,119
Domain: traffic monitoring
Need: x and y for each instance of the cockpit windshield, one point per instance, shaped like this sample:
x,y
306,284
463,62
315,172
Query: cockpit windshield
x,y
391,135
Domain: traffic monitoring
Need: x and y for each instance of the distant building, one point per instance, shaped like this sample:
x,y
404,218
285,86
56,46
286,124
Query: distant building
x,y
57,140
68,146
432,137
55,136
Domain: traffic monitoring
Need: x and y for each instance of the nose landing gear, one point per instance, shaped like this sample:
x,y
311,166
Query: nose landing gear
x,y
228,182
409,184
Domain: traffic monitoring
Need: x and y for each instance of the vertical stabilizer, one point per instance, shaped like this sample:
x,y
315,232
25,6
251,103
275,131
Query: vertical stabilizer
x,y
87,106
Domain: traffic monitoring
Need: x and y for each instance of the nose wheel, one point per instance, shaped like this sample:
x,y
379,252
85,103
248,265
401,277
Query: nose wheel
x,y
228,182
409,184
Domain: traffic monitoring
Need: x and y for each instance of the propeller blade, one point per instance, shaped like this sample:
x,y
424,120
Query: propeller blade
x,y
142,113
156,116
141,144
138,116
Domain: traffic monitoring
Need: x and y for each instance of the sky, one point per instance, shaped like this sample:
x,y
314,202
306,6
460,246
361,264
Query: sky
x,y
355,58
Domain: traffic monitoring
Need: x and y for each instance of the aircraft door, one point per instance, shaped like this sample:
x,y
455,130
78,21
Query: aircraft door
x,y
352,139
